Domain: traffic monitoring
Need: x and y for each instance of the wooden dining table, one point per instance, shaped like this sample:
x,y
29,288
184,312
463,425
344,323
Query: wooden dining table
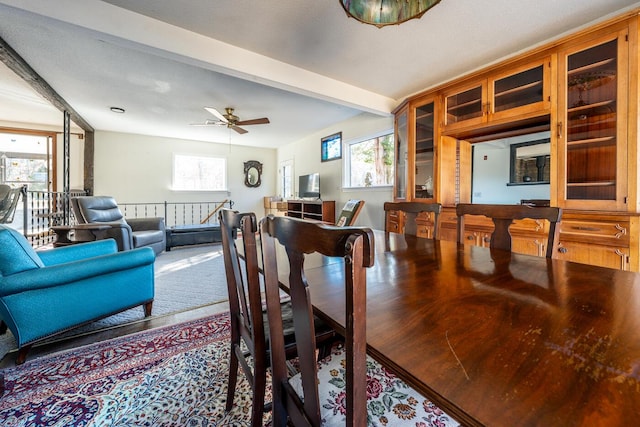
x,y
496,338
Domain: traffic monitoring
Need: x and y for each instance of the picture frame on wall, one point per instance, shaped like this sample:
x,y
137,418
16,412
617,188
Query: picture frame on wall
x,y
331,147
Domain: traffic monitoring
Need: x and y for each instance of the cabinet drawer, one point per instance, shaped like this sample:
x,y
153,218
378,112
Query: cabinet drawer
x,y
604,256
601,233
393,222
393,227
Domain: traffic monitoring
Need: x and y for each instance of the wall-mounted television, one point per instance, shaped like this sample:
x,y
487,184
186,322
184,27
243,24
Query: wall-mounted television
x,y
309,186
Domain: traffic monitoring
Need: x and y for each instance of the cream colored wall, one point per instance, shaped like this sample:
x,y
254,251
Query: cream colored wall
x,y
306,159
137,168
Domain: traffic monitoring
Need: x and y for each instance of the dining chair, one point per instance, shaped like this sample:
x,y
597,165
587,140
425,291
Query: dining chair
x,y
249,325
503,216
350,212
348,387
411,211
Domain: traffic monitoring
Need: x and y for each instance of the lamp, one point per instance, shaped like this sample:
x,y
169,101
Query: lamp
x,y
386,12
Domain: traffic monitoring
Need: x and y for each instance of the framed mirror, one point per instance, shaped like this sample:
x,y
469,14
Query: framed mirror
x,y
252,173
530,163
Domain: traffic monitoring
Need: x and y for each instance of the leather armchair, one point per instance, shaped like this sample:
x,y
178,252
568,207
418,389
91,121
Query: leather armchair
x,y
128,233
48,292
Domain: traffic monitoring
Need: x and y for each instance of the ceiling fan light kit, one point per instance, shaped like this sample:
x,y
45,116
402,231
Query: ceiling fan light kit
x,y
230,120
386,12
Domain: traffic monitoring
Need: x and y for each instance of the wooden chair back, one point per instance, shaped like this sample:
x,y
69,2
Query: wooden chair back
x,y
299,238
349,213
245,305
411,211
503,216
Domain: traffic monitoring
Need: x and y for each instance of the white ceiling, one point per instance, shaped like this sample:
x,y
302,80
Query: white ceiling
x,y
302,63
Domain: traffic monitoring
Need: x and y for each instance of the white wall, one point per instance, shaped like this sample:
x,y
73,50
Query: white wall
x,y
491,174
306,159
139,169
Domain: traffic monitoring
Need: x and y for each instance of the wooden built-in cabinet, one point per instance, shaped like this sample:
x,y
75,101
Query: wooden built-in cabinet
x,y
520,92
597,238
584,90
422,147
592,124
318,210
401,154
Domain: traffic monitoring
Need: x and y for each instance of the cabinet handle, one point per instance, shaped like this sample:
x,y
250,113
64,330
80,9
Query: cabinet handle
x,y
583,228
623,258
470,238
563,250
559,129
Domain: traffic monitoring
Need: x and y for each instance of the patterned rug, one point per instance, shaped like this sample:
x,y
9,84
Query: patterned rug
x,y
172,376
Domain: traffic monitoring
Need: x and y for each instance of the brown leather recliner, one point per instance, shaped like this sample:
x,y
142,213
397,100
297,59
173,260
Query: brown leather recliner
x,y
128,233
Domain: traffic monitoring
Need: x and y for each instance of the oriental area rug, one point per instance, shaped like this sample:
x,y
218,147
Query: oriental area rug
x,y
171,376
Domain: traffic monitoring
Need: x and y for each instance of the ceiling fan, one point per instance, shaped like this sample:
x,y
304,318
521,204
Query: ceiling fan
x,y
230,120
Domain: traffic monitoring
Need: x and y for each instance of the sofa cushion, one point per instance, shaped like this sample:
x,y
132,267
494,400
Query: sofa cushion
x,y
16,254
146,238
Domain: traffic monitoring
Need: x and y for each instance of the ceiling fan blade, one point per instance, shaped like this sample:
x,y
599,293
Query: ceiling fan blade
x,y
217,114
262,121
207,123
238,129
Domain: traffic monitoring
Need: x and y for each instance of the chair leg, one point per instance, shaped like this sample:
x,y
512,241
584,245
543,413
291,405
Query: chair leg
x,y
259,385
147,308
22,354
233,378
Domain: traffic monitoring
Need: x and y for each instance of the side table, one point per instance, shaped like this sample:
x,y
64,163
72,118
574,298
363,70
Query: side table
x,y
64,239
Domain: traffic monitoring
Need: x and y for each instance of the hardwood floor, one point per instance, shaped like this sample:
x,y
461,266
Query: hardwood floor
x,y
114,332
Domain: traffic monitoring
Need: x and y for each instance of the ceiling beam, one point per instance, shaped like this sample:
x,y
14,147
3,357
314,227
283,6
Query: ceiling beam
x,y
18,65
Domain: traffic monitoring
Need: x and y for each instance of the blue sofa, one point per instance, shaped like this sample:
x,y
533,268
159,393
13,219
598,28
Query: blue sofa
x,y
48,292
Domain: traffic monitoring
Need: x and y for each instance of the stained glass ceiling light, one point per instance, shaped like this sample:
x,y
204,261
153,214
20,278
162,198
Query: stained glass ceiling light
x,y
386,12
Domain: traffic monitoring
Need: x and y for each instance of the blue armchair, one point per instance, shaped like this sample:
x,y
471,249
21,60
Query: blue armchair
x,y
48,292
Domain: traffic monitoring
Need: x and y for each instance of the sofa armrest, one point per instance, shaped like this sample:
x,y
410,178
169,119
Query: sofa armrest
x,y
77,252
121,232
61,274
141,224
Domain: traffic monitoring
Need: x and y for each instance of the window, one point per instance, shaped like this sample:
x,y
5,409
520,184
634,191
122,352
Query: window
x,y
370,162
25,159
197,173
286,179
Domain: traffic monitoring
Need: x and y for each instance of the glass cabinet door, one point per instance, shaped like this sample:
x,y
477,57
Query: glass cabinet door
x,y
424,121
401,155
592,137
521,91
466,106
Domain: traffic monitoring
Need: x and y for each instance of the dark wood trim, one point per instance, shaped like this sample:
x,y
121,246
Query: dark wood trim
x,y
89,150
18,65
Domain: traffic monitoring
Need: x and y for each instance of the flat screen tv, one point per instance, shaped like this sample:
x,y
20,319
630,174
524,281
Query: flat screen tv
x,y
309,186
